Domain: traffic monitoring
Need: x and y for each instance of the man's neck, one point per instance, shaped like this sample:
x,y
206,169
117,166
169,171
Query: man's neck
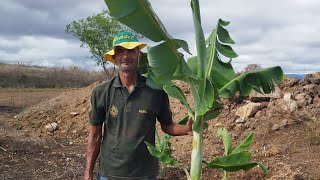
x,y
128,80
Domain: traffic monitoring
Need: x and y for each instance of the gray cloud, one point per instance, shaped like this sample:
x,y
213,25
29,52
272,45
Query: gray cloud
x,y
267,33
44,18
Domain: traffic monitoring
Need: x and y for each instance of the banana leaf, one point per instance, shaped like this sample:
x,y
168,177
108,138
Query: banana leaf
x,y
235,162
263,78
161,156
244,144
218,72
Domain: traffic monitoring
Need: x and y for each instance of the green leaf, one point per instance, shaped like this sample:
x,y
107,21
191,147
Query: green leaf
x,y
177,93
253,80
192,63
162,61
224,23
244,144
183,70
165,145
224,36
211,114
209,94
184,120
217,71
226,141
143,64
157,140
161,156
139,16
151,83
235,162
226,50
196,126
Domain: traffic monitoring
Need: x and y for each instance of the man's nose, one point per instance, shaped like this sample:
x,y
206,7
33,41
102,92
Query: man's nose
x,y
125,53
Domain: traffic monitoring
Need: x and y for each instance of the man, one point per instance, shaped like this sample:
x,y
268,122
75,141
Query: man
x,y
128,108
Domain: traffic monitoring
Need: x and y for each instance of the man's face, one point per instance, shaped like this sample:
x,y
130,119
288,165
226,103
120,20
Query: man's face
x,y
126,59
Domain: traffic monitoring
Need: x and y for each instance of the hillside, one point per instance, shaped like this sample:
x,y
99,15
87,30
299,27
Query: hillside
x,y
27,76
286,125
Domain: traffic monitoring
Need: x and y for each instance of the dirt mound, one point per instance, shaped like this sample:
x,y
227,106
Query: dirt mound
x,y
286,125
69,110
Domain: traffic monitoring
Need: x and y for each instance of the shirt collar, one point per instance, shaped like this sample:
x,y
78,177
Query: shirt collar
x,y
140,81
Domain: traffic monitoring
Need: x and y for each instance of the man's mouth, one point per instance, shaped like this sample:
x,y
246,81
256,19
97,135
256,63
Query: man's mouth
x,y
126,62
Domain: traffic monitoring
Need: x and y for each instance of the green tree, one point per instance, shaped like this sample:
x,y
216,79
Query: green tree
x,y
96,32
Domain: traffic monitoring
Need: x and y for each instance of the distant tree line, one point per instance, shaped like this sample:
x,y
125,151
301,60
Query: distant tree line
x,y
43,77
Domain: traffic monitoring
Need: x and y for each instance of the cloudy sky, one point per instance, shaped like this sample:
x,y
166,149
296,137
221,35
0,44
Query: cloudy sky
x,y
266,32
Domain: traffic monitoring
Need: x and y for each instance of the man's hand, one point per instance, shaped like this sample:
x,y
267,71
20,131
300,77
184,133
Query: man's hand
x,y
176,129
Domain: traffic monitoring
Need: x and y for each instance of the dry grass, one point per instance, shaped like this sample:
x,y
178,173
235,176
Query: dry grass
x,y
25,76
313,131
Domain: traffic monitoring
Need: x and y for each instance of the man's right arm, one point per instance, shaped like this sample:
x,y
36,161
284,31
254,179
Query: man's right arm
x,y
93,149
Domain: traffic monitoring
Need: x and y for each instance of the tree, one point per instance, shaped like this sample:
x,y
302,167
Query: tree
x,y
248,68
96,32
251,67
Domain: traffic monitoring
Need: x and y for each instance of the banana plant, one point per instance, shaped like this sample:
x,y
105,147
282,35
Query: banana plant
x,y
234,159
209,77
164,146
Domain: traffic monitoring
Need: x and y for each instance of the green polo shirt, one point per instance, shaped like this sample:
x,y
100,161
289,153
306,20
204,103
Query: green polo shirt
x,y
130,120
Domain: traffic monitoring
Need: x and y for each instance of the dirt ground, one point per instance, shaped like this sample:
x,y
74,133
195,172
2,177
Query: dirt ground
x,y
286,142
24,155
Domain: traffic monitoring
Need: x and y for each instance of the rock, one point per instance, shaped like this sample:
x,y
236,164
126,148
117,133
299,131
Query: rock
x,y
284,122
271,104
316,100
74,113
289,103
240,120
258,97
275,127
274,150
258,114
248,110
312,89
51,127
312,78
219,124
303,99
264,105
292,105
292,82
287,97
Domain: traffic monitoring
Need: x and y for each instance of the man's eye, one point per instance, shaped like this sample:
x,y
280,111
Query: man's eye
x,y
131,51
119,50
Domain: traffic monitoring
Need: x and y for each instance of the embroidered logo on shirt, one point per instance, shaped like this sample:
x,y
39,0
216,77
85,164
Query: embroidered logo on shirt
x,y
143,111
113,111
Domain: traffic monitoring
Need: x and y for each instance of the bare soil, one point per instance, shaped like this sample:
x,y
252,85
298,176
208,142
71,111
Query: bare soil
x,y
28,151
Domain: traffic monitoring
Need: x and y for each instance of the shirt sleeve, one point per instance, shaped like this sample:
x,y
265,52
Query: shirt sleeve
x,y
97,113
165,114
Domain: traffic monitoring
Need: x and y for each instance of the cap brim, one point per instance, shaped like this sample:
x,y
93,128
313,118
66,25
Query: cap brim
x,y
127,45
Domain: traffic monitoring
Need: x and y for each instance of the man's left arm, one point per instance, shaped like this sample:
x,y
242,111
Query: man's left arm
x,y
175,129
